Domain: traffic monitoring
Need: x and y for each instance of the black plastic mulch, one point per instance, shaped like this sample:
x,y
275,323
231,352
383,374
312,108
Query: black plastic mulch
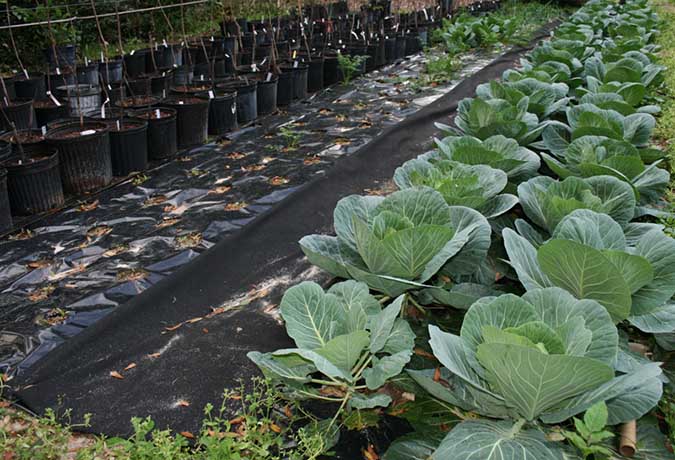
x,y
73,268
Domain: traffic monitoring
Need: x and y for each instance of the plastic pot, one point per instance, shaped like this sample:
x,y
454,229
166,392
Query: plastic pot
x,y
330,70
19,112
134,64
138,87
9,84
192,117
138,102
128,146
32,142
400,46
5,212
5,150
285,86
82,99
115,92
390,50
34,185
47,111
88,74
64,58
161,134
266,95
300,82
54,80
315,74
222,112
183,75
111,70
33,87
412,44
159,83
191,89
84,155
247,98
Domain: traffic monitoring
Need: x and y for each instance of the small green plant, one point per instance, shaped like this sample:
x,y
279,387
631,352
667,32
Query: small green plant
x,y
349,66
442,69
291,137
590,433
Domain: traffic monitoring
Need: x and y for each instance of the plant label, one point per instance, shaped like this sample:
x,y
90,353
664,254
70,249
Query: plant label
x,y
102,58
234,108
295,65
158,114
211,95
269,76
87,132
425,14
44,130
165,44
180,102
54,100
132,52
58,71
117,123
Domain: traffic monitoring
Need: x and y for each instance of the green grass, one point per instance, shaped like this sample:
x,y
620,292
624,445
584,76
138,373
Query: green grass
x,y
265,425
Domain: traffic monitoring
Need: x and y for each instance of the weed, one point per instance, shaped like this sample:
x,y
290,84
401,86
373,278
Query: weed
x,y
349,66
291,137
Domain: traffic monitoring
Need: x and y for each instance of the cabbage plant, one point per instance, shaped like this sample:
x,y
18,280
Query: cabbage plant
x,y
547,201
544,357
589,256
594,155
344,340
398,243
545,99
498,152
485,118
633,67
478,187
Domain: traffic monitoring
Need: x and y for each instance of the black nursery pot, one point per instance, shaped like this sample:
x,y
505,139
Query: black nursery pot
x,y
330,70
401,46
64,57
34,185
111,71
60,79
285,86
88,75
267,95
139,87
32,142
300,81
128,146
162,140
19,112
5,212
222,112
5,150
134,64
192,120
315,74
137,102
412,44
84,155
389,50
247,98
47,111
33,87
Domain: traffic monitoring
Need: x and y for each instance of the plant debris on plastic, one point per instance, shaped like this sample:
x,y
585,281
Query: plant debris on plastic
x,y
70,269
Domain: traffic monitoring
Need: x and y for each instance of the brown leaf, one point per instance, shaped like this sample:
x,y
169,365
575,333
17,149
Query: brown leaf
x,y
130,366
205,331
154,355
182,403
173,328
424,353
187,434
84,207
287,411
369,453
237,420
437,374
116,375
274,427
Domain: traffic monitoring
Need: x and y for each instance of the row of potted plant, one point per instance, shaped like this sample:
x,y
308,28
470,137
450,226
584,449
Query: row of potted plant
x,y
92,131
531,223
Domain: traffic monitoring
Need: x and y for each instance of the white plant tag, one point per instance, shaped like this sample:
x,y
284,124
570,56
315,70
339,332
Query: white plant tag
x,y
295,53
269,76
165,43
132,52
44,130
54,100
234,108
86,60
102,58
212,38
201,77
263,61
295,65
211,95
117,123
58,71
180,102
164,94
355,35
425,14
158,114
88,132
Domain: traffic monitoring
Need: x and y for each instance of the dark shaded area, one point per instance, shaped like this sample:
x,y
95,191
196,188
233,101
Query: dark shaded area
x,y
203,355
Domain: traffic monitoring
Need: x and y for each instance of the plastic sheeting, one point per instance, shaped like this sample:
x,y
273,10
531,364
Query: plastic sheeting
x,y
74,267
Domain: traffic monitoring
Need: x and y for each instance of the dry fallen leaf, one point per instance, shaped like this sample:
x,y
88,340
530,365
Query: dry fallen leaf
x,y
116,375
88,206
369,453
276,428
237,420
183,403
130,366
187,434
154,355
